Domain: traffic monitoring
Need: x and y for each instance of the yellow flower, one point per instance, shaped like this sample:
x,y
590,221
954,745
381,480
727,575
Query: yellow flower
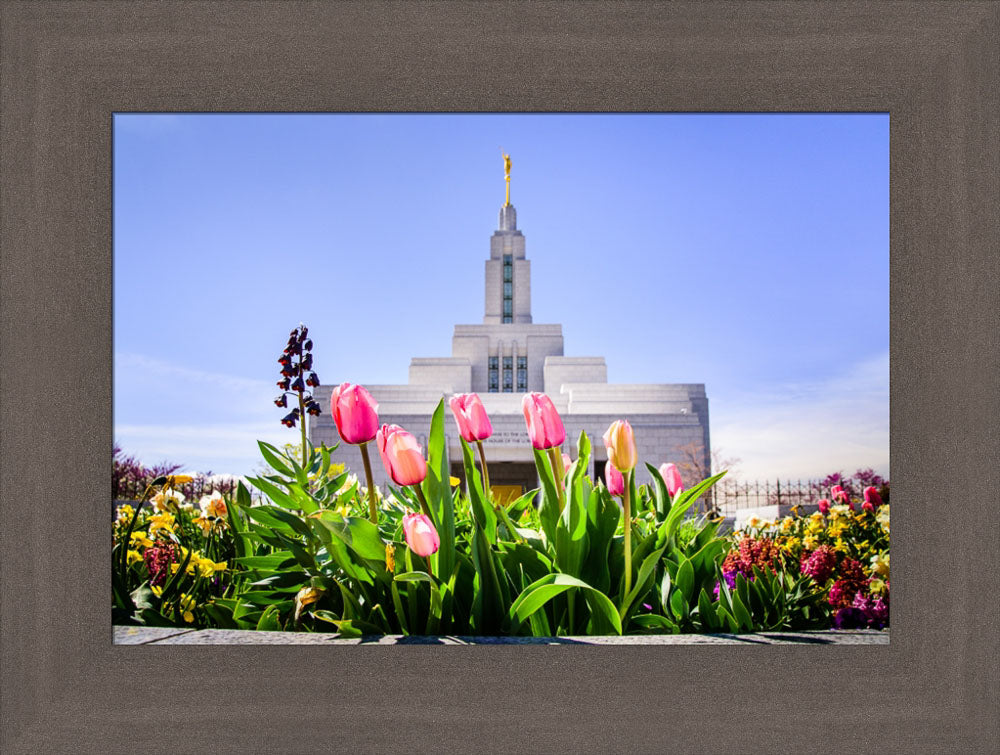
x,y
787,524
134,557
390,558
877,586
213,505
882,517
139,538
187,606
880,565
840,545
454,481
837,528
125,514
178,479
753,522
167,500
161,523
810,542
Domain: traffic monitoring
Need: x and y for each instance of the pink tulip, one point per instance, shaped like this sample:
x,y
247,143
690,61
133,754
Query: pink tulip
x,y
401,455
545,428
470,414
620,442
824,506
672,477
872,498
420,534
355,412
567,463
616,483
838,494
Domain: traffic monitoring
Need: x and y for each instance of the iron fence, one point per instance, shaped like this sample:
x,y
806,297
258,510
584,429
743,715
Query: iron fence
x,y
731,495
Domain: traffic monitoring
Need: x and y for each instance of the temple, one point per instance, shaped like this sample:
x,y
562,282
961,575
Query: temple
x,y
508,355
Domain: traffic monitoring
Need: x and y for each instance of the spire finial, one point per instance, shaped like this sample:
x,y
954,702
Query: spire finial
x,y
506,175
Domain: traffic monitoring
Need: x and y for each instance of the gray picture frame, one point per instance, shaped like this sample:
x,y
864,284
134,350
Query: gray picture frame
x,y
66,67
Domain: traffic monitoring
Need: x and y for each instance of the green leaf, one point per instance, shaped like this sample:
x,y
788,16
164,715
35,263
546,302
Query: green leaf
x,y
540,592
276,495
683,501
685,580
269,620
706,612
660,494
548,511
678,605
358,534
273,457
655,623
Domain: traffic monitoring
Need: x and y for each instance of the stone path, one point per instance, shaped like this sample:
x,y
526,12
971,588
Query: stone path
x,y
170,636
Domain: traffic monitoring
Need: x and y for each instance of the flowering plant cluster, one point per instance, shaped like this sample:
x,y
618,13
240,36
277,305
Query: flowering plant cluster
x,y
842,548
430,555
170,557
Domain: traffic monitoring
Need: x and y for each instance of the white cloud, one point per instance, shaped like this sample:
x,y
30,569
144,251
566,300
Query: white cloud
x,y
807,430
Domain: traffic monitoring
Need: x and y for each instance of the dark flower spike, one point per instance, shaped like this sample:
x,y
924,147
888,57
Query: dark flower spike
x,y
284,359
308,344
283,384
281,401
298,385
289,419
307,362
312,380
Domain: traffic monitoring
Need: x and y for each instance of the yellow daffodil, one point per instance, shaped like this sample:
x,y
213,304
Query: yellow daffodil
x,y
125,514
167,500
134,557
454,481
139,538
810,542
178,479
161,523
187,606
882,517
880,565
877,587
213,505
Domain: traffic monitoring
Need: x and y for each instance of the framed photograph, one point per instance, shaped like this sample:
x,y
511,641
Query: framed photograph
x,y
929,71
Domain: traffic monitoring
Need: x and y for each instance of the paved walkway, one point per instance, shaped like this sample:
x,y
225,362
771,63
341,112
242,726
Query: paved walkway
x,y
167,636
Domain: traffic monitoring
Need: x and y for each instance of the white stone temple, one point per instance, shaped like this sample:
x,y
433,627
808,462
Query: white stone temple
x,y
508,355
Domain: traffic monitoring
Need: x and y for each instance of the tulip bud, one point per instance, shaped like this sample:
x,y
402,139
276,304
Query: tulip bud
x,y
672,478
824,506
470,415
615,480
355,412
620,443
420,535
401,455
545,427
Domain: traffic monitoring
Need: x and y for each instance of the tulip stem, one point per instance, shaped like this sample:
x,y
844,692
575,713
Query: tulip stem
x,y
627,506
559,472
423,502
372,509
486,472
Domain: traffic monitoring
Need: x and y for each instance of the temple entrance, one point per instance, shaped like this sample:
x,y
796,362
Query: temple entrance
x,y
509,479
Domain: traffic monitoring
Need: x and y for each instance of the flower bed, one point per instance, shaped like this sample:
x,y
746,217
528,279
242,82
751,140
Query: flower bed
x,y
575,557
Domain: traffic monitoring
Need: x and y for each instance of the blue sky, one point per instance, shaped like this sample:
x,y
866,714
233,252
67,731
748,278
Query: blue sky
x,y
747,252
